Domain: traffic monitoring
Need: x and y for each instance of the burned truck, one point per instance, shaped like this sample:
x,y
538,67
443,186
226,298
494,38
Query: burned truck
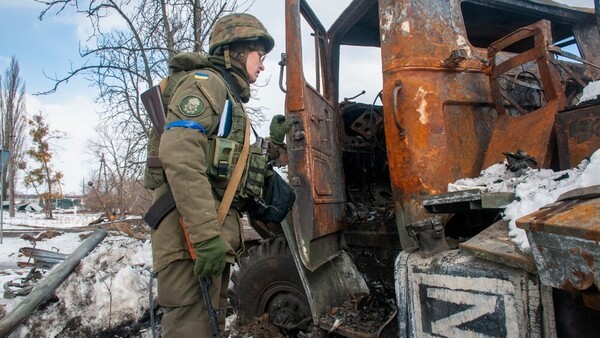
x,y
375,245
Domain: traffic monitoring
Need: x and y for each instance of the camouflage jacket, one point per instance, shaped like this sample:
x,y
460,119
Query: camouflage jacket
x,y
200,97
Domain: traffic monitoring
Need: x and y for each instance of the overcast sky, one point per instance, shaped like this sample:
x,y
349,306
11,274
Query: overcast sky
x,y
51,45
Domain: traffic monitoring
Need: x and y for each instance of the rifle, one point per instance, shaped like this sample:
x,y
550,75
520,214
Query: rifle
x,y
204,283
214,324
152,100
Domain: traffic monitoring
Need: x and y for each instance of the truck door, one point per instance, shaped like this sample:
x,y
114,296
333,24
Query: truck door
x,y
315,166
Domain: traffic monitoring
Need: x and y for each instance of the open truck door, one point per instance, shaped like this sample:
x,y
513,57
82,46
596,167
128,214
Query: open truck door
x,y
315,170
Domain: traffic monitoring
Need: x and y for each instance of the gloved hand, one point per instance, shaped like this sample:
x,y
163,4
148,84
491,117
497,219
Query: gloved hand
x,y
278,128
210,257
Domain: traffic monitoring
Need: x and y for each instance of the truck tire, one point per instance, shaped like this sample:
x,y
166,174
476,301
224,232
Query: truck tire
x,y
267,282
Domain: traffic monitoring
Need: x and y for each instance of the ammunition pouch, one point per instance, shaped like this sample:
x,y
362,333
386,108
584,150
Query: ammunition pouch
x,y
223,155
267,196
256,169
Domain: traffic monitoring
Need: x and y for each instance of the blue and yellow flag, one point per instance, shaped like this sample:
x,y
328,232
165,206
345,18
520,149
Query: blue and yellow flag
x,y
201,76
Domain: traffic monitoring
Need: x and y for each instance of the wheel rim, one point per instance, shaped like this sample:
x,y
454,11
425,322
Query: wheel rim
x,y
285,304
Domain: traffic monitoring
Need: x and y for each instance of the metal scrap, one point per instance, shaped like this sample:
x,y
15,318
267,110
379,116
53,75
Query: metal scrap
x,y
44,259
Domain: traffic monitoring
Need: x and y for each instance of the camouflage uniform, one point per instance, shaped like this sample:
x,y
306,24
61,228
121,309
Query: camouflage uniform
x,y
200,97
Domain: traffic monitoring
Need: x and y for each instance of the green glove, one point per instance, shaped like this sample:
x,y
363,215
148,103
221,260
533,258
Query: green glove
x,y
210,257
278,128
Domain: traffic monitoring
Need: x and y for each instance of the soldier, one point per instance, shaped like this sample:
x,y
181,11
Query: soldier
x,y
206,103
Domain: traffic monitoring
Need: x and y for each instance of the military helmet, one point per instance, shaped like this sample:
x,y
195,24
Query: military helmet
x,y
238,27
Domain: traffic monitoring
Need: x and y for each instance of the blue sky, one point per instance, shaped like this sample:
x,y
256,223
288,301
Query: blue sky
x,y
51,45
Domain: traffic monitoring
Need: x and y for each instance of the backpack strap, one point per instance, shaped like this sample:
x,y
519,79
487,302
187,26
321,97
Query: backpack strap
x,y
233,86
163,84
238,171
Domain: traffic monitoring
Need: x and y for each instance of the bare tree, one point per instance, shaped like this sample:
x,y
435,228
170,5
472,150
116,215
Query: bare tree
x,y
44,179
124,61
12,133
120,167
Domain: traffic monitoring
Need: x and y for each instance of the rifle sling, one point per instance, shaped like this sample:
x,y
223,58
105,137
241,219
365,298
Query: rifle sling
x,y
236,177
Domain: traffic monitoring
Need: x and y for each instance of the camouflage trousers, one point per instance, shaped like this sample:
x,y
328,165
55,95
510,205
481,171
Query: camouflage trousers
x,y
179,293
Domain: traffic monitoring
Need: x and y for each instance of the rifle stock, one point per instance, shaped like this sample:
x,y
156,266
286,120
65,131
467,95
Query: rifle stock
x,y
152,100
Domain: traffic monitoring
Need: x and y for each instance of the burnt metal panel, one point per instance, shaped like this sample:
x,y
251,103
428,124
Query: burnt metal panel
x,y
41,258
315,152
317,176
455,294
565,241
464,200
437,119
532,132
358,25
577,134
496,245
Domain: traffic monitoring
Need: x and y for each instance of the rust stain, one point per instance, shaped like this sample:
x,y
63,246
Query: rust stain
x,y
589,259
586,279
578,218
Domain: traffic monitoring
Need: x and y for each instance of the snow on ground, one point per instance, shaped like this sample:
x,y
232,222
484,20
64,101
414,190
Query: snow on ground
x,y
109,287
9,249
533,188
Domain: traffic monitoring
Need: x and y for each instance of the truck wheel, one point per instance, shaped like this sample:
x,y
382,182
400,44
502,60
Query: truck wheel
x,y
267,282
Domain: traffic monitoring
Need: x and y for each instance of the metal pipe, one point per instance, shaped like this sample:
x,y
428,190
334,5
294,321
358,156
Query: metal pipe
x,y
597,12
46,287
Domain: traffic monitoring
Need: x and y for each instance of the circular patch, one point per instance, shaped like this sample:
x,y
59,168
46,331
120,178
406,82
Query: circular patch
x,y
191,106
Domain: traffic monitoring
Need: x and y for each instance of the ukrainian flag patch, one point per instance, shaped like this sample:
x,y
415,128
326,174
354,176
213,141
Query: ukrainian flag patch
x,y
201,76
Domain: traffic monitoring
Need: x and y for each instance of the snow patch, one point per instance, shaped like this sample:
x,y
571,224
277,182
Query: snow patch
x,y
590,92
109,287
533,188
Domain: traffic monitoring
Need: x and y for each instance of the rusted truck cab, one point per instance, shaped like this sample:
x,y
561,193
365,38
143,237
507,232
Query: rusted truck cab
x,y
452,86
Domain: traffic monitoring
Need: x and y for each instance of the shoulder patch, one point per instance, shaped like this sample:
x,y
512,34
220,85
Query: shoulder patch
x,y
201,75
191,106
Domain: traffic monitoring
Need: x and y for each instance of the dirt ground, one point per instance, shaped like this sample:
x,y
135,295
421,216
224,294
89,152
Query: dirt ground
x,y
259,328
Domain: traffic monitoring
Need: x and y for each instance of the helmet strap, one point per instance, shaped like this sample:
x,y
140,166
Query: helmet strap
x,y
227,57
